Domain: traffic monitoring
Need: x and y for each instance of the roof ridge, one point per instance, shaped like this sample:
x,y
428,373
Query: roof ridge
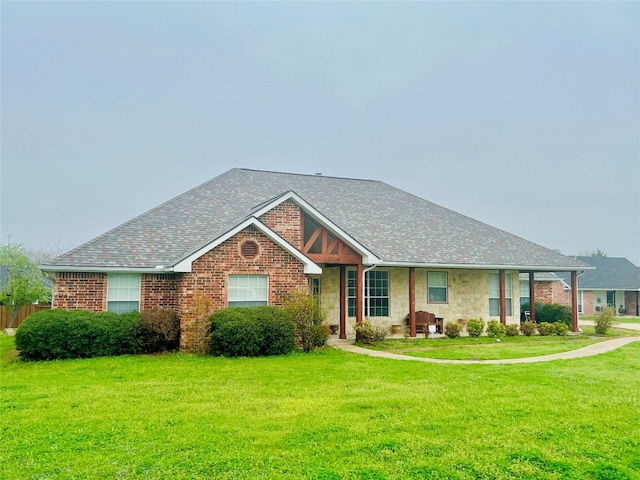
x,y
314,175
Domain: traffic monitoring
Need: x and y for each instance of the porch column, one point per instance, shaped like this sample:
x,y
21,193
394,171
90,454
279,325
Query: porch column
x,y
532,297
343,302
359,292
503,298
412,301
574,302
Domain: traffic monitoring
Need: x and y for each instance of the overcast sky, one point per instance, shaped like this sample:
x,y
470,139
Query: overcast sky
x,y
525,116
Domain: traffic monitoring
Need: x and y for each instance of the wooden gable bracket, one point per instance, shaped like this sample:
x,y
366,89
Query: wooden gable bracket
x,y
332,250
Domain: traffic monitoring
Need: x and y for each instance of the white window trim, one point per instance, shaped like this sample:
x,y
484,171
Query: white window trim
x,y
111,290
230,302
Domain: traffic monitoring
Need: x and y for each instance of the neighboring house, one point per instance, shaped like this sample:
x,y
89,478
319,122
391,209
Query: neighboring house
x,y
248,237
549,288
614,282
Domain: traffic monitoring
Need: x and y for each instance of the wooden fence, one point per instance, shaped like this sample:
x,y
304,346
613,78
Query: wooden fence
x,y
22,314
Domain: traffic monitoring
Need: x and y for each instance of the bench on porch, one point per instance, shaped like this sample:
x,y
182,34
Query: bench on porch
x,y
424,319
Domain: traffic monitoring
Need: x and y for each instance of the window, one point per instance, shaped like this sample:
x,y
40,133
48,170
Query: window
x,y
248,290
351,293
376,292
315,288
437,287
123,293
524,293
494,293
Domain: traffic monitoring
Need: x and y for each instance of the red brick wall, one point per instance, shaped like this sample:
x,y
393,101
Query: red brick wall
x,y
552,292
543,292
159,290
588,307
285,220
80,290
210,273
631,303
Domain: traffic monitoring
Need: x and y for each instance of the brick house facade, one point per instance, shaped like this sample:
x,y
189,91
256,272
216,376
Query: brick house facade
x,y
282,230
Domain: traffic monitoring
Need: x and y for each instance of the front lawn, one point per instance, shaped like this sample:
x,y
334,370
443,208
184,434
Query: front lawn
x,y
487,348
326,415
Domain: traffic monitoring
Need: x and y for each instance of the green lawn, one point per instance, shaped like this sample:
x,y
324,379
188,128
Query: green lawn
x,y
486,348
326,415
618,319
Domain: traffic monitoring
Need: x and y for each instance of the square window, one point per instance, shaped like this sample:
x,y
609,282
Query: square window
x,y
123,292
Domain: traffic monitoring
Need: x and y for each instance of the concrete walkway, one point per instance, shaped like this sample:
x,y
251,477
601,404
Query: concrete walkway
x,y
588,351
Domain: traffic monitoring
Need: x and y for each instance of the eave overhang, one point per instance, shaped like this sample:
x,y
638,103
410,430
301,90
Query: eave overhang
x,y
469,266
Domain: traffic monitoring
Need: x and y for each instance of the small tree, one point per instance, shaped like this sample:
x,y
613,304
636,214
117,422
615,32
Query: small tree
x,y
24,283
309,320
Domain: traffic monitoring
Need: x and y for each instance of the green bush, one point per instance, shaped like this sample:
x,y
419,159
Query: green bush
x,y
308,317
560,328
367,333
159,330
546,328
553,313
61,334
512,330
251,332
452,329
528,328
604,320
495,329
475,327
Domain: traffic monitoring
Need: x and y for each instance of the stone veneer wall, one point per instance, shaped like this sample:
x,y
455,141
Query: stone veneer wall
x,y
468,296
80,291
210,274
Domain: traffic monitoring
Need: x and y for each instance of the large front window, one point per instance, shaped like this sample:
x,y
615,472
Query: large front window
x,y
494,294
248,290
123,293
376,293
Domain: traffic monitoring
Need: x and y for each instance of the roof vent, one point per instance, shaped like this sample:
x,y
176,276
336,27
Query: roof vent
x,y
249,250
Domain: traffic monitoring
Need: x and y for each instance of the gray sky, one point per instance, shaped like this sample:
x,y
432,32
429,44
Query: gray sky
x,y
523,115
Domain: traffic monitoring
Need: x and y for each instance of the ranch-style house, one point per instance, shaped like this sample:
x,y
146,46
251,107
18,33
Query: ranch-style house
x,y
365,248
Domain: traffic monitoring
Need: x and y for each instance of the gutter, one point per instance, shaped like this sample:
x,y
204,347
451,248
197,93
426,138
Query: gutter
x,y
461,266
70,268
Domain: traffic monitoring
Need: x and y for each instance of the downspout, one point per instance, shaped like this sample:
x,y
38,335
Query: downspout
x,y
364,296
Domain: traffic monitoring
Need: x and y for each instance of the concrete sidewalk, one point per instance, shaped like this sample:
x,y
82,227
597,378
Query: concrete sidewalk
x,y
588,351
625,326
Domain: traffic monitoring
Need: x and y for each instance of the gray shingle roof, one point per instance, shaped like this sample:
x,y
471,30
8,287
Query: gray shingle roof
x,y
611,273
395,225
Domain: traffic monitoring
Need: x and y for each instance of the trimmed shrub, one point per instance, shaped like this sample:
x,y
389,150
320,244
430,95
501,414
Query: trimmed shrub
x,y
512,330
60,334
528,328
604,320
475,327
452,329
367,333
495,329
251,332
546,328
560,328
553,313
159,330
308,317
